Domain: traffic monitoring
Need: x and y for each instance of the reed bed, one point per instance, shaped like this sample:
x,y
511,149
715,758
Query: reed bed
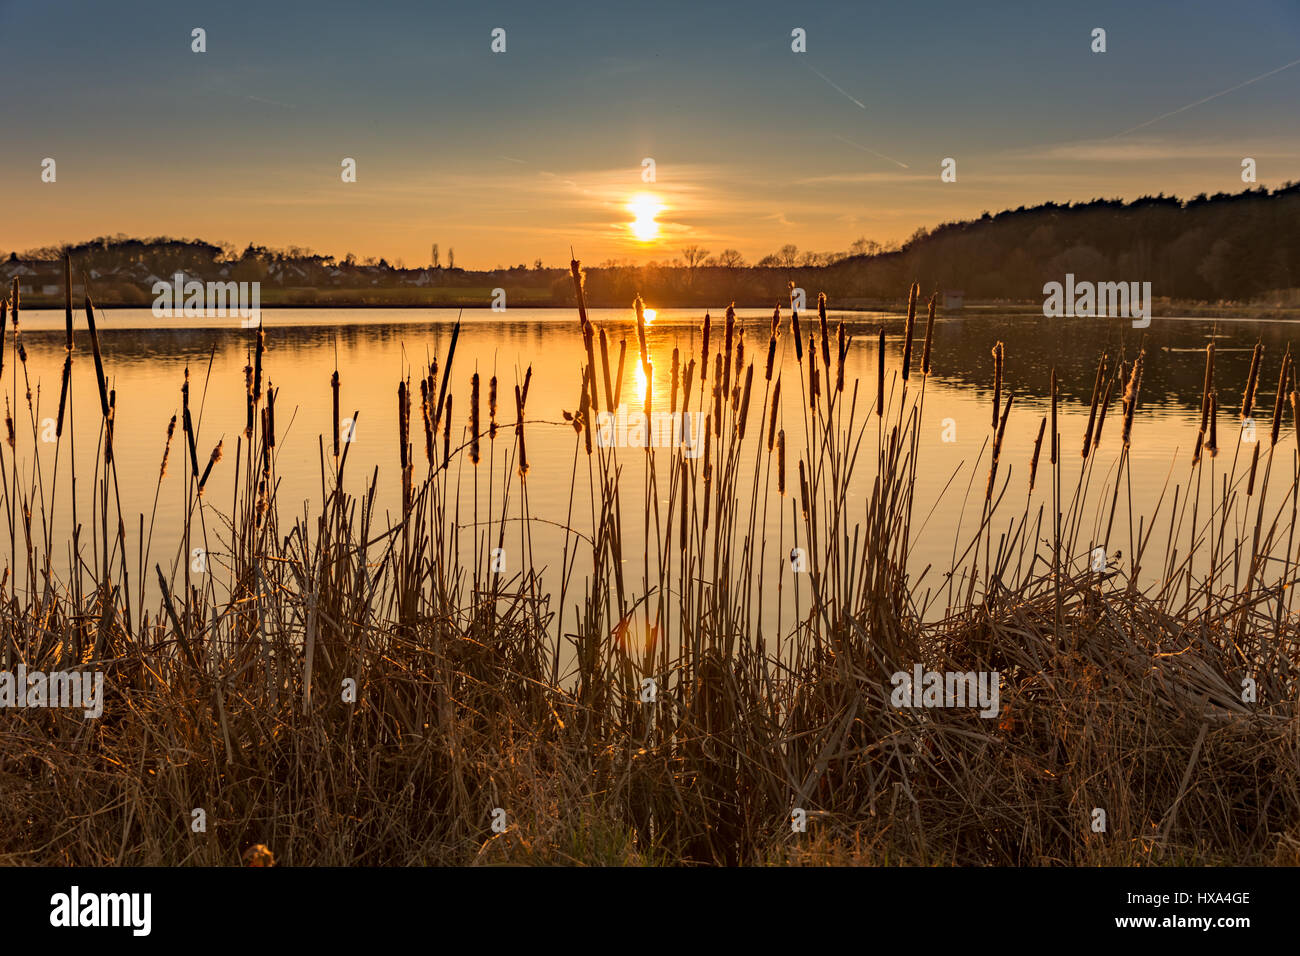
x,y
627,707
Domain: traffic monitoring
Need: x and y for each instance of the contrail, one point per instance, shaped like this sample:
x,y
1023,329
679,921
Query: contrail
x,y
1207,99
871,151
838,89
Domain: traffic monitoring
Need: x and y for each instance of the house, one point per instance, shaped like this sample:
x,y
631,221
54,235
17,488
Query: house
x,y
953,299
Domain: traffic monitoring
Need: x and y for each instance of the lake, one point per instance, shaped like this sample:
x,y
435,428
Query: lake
x,y
145,357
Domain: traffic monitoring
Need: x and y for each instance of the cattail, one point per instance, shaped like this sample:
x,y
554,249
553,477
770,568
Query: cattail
x,y
998,353
744,401
798,337
248,400
803,491
9,421
717,394
63,393
649,395
583,416
187,423
618,382
1052,441
1092,406
446,428
813,387
446,376
1131,395
826,332
640,332
212,460
929,336
108,427
474,418
1212,446
492,408
672,401
94,347
519,428
167,449
1252,382
910,329
880,375
257,363
334,387
1281,391
685,511
686,384
269,428
67,299
771,421
704,358
841,352
1038,445
997,449
780,462
403,425
1105,404
727,345
1254,464
604,361
428,422
771,342
4,312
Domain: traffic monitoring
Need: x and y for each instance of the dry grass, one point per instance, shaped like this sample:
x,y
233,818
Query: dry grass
x,y
479,690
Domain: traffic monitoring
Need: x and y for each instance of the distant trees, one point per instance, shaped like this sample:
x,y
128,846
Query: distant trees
x,y
731,259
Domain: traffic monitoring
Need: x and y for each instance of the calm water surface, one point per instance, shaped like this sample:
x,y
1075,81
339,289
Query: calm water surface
x,y
145,359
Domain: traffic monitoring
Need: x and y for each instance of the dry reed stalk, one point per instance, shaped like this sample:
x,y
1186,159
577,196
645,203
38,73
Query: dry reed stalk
x,y
1052,441
492,408
798,337
676,377
639,306
1212,446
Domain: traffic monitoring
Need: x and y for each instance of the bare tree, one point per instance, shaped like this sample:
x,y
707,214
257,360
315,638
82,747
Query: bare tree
x,y
435,258
451,258
695,255
731,259
788,255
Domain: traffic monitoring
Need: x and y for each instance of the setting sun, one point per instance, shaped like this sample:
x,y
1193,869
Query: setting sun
x,y
645,207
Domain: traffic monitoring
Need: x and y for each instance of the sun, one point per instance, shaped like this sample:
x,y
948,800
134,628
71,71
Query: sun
x,y
650,315
645,207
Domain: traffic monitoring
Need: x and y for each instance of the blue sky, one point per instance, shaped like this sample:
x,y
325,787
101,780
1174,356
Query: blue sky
x,y
509,157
